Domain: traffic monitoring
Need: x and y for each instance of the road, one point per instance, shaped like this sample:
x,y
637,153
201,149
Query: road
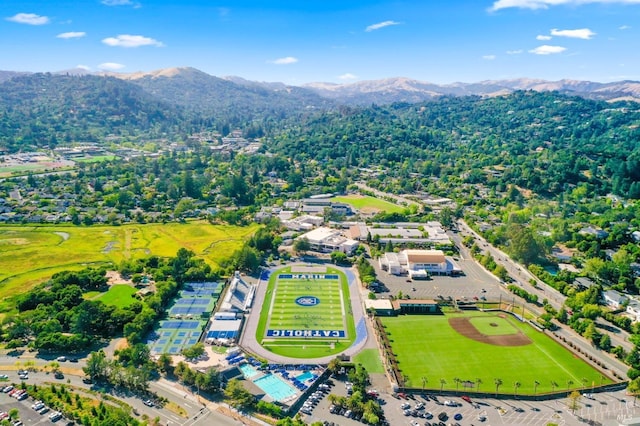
x,y
199,411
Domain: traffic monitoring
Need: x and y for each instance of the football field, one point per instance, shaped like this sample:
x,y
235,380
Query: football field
x,y
306,314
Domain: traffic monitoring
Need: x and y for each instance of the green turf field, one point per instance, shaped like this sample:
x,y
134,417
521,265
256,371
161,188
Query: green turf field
x,y
32,254
119,295
306,317
443,354
366,202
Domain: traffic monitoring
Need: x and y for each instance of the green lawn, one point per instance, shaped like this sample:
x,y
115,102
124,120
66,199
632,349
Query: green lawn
x,y
370,360
280,311
32,254
366,202
119,295
443,354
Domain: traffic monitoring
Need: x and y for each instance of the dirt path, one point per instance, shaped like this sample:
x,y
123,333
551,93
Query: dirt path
x,y
467,329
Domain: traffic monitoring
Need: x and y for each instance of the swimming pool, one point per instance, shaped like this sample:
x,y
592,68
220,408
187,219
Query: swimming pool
x,y
305,376
275,387
248,371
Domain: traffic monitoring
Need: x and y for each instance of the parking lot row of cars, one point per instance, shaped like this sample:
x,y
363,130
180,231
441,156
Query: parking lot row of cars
x,y
37,406
315,397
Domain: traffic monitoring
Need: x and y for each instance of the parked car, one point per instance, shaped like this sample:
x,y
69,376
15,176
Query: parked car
x,y
148,403
58,375
61,358
457,416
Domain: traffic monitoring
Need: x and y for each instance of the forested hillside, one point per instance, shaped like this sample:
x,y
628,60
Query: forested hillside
x,y
544,142
45,110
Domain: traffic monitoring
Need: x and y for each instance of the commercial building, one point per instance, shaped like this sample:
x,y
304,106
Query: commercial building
x,y
327,240
418,264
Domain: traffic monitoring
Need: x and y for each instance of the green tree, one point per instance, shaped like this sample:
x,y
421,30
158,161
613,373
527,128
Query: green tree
x,y
498,383
301,245
237,395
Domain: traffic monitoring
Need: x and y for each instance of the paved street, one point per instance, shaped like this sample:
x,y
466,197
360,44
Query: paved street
x,y
197,413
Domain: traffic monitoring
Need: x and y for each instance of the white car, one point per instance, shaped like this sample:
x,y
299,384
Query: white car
x,y
588,395
450,403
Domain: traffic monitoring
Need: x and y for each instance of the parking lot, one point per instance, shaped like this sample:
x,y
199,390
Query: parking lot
x,y
28,413
466,287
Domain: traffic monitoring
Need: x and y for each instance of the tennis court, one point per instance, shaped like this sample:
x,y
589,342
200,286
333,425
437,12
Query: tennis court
x,y
188,317
173,336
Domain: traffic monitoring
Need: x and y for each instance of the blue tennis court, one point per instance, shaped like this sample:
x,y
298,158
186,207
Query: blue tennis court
x,y
193,301
197,293
178,325
187,310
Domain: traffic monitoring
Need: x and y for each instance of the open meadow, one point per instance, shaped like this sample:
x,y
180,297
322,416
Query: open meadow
x,y
478,348
306,315
31,254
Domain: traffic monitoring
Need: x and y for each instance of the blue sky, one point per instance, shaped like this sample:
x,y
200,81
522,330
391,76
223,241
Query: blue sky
x,y
301,41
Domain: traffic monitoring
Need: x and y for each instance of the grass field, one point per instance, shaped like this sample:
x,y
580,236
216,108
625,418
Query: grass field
x,y
370,360
493,325
119,295
443,354
369,203
306,305
31,254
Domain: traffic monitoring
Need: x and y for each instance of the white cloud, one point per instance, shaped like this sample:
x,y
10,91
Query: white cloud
x,y
126,40
110,66
29,19
514,52
380,25
489,57
547,50
284,61
583,33
348,76
545,4
84,67
543,37
72,34
624,27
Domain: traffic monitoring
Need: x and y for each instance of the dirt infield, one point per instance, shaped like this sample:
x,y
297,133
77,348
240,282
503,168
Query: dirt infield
x,y
467,329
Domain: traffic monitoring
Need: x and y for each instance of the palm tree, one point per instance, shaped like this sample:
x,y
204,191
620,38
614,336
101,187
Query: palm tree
x,y
535,387
424,382
457,381
497,382
569,383
478,383
554,385
442,383
516,385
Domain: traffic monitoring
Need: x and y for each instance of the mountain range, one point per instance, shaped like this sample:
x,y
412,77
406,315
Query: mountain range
x,y
193,88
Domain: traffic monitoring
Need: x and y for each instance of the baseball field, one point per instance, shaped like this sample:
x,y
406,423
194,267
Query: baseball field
x,y
484,351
